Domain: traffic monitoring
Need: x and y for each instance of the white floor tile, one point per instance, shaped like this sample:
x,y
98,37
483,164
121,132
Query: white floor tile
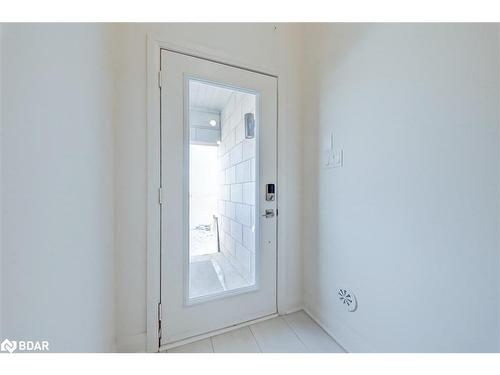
x,y
201,346
275,336
313,336
238,341
293,333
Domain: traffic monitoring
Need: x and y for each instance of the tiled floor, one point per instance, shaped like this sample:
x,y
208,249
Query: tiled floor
x,y
293,333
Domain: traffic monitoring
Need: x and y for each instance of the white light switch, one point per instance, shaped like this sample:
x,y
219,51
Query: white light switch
x,y
327,158
333,158
338,159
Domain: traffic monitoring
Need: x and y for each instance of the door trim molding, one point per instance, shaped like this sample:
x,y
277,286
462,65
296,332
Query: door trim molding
x,y
153,217
153,247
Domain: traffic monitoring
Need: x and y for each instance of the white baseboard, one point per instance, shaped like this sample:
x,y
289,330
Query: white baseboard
x,y
291,310
131,343
343,335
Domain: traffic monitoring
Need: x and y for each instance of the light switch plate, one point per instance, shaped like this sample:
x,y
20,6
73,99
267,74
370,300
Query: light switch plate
x,y
333,159
338,159
327,158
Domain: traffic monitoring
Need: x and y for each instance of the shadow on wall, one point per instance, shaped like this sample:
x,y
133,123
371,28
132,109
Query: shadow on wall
x,y
410,222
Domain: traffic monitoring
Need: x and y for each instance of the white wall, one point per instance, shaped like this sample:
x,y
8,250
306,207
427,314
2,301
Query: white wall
x,y
410,222
203,187
262,45
236,159
1,252
498,227
203,166
57,176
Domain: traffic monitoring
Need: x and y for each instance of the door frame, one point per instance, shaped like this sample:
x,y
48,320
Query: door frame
x,y
154,46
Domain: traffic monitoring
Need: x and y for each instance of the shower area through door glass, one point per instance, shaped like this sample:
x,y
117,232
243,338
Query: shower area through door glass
x,y
222,182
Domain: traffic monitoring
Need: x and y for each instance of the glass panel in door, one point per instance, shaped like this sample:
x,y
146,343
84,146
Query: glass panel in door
x,y
222,190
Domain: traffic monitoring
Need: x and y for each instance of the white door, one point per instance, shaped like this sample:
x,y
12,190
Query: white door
x,y
218,170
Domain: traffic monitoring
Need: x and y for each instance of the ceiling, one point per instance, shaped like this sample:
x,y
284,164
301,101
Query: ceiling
x,y
206,96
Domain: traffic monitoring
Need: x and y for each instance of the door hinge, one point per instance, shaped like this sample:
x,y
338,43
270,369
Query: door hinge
x,y
160,196
159,324
159,79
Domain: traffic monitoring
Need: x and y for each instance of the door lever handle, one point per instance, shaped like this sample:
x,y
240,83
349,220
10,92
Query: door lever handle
x,y
269,213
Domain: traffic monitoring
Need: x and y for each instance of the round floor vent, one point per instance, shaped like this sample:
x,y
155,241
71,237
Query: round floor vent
x,y
348,299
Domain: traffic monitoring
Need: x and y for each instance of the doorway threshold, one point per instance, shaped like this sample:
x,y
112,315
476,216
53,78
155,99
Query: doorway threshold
x,y
189,340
